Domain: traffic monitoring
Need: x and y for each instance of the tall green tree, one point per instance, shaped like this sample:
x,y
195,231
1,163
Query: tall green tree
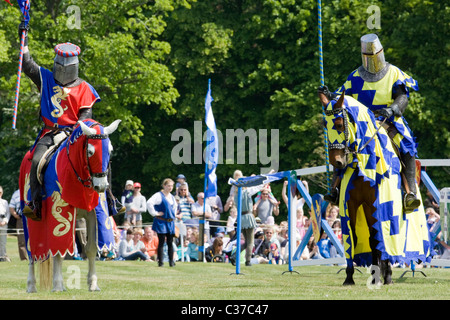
x,y
151,61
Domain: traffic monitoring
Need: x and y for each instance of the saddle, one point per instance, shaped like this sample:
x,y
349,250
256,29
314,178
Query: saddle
x,y
58,139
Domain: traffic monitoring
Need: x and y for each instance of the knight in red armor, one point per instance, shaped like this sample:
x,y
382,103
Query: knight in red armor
x,y
65,99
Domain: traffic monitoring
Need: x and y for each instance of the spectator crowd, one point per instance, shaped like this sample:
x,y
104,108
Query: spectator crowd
x,y
268,240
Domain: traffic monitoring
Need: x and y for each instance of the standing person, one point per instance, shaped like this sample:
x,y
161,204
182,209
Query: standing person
x,y
197,212
248,222
16,212
216,210
384,89
127,195
138,206
4,219
266,207
163,207
65,99
185,202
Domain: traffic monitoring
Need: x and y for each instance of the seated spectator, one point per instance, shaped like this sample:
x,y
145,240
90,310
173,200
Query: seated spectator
x,y
432,217
324,246
182,251
132,248
313,249
150,240
192,250
274,255
214,253
332,214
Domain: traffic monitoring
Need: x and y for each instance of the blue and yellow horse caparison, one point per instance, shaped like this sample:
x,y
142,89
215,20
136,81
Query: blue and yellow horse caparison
x,y
375,229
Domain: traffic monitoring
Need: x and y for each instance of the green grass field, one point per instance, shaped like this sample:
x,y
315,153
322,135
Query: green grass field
x,y
214,281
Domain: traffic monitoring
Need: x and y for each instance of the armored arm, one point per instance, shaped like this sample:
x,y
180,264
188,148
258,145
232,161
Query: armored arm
x,y
85,113
29,66
400,102
324,89
398,106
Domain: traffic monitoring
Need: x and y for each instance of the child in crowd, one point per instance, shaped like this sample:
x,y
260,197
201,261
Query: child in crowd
x,y
274,255
183,251
180,179
127,195
231,221
192,250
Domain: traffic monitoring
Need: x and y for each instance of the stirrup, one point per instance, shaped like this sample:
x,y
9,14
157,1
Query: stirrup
x,y
410,202
119,207
32,210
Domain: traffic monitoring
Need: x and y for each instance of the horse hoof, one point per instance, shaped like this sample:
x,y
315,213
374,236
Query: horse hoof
x,y
58,289
32,290
94,289
349,283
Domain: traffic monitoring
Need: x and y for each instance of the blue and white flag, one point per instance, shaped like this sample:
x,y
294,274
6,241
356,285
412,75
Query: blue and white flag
x,y
212,148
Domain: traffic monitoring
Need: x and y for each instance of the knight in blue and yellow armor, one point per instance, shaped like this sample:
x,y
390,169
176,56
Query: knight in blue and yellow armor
x,y
384,89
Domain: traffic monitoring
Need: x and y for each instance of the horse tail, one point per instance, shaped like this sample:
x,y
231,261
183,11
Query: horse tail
x,y
46,273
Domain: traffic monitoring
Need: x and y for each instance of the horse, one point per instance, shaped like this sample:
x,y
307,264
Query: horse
x,y
376,229
74,185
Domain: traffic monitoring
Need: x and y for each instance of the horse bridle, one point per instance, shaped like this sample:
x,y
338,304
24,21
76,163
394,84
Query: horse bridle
x,y
88,182
340,146
346,147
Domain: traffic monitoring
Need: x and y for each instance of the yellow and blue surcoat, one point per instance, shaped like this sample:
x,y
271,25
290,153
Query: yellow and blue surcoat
x,y
379,94
402,237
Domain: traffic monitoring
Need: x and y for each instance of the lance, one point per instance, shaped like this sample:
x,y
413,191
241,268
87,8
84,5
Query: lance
x,y
24,10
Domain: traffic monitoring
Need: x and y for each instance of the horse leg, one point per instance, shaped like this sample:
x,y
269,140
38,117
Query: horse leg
x,y
31,280
91,249
58,282
350,270
386,271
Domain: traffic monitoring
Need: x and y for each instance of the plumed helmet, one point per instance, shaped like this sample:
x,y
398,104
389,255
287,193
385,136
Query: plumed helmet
x,y
372,53
65,66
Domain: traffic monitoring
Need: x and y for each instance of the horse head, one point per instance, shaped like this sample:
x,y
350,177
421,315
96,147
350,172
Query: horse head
x,y
95,155
336,124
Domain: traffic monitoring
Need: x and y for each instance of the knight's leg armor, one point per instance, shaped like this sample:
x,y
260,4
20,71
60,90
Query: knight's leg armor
x,y
32,209
410,200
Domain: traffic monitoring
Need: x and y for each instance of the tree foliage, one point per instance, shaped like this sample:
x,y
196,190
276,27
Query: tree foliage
x,y
151,61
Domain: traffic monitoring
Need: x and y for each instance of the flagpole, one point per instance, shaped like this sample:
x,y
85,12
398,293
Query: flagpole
x,y
202,221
